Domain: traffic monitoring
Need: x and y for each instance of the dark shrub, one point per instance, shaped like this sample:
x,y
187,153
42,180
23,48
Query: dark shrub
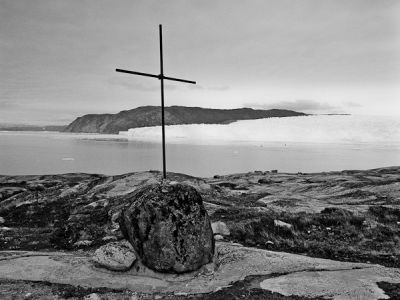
x,y
385,214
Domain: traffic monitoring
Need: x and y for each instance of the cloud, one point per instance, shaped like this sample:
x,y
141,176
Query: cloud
x,y
210,88
133,85
7,104
352,104
299,105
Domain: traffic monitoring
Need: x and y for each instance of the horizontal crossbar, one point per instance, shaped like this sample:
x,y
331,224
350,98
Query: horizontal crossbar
x,y
155,76
137,73
177,79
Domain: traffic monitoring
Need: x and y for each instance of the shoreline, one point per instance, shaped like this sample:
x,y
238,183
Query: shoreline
x,y
215,176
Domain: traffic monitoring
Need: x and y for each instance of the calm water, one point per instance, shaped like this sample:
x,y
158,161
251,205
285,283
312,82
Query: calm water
x,y
52,153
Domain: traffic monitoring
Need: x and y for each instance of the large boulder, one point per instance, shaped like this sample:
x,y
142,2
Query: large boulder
x,y
168,227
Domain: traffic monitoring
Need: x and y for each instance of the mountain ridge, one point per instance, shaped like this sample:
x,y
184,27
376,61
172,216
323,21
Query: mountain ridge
x,y
144,116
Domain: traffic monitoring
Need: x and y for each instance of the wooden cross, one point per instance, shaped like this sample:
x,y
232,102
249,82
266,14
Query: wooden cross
x,y
161,77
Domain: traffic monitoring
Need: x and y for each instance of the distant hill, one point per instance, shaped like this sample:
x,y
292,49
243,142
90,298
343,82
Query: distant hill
x,y
174,115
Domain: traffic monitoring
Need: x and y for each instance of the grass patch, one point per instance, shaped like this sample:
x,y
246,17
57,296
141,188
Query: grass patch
x,y
334,233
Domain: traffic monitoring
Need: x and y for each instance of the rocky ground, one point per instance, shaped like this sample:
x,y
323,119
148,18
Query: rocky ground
x,y
51,225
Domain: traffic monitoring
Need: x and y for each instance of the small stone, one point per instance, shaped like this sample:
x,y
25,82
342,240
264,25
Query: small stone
x,y
115,256
2,221
92,296
27,295
220,228
241,187
218,237
209,268
371,224
279,223
36,187
84,243
109,238
114,217
236,244
225,184
115,221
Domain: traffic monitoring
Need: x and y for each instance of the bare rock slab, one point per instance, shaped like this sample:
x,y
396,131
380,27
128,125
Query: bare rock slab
x,y
300,275
339,284
169,227
115,256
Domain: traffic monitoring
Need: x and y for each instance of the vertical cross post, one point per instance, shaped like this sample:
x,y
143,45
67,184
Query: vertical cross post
x,y
161,77
162,103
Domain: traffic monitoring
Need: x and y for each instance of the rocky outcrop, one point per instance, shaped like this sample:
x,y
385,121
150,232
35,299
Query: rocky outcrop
x,y
67,211
351,215
115,256
151,116
169,227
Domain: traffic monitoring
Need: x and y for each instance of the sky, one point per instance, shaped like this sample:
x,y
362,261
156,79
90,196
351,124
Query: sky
x,y
58,58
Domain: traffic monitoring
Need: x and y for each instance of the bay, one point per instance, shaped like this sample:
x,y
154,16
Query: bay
x,y
23,153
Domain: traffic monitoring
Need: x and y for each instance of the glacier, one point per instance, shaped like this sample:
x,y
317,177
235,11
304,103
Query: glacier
x,y
342,129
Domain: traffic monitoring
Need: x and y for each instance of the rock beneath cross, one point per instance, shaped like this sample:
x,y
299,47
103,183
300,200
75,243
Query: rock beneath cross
x,y
169,227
